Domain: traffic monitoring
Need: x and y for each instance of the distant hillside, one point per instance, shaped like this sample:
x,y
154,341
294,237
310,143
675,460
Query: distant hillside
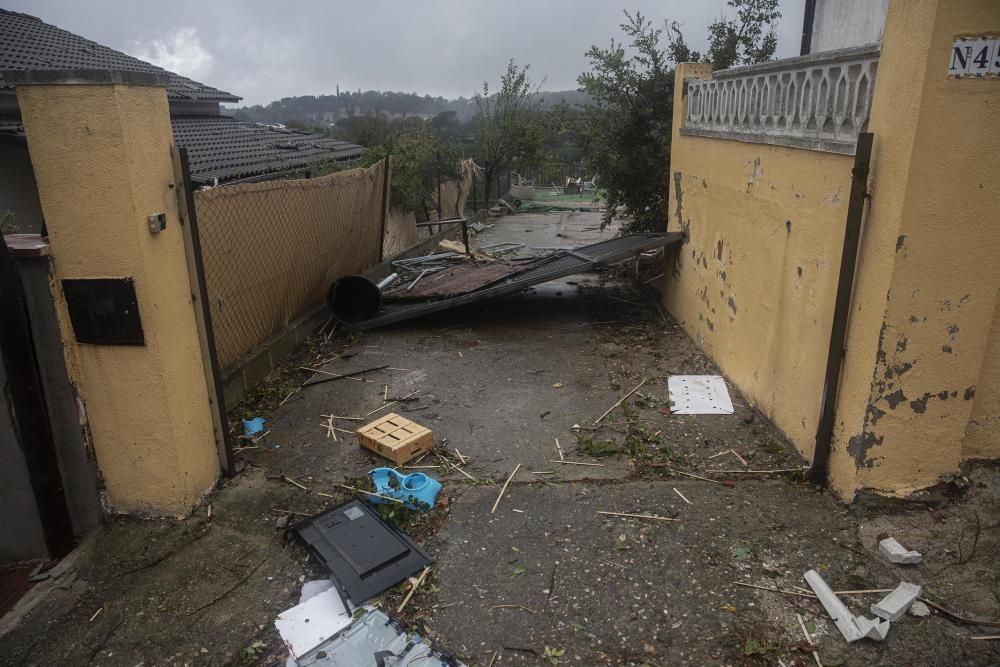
x,y
326,109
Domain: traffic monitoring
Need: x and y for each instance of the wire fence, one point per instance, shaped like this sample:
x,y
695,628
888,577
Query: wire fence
x,y
271,249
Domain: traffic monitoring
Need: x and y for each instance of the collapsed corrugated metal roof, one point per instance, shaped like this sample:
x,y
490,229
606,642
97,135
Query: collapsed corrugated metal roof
x,y
28,43
226,149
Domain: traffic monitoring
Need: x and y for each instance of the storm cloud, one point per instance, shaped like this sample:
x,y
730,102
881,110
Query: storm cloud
x,y
264,51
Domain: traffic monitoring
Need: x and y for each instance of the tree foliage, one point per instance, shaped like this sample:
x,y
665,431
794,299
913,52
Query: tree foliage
x,y
747,39
628,131
507,122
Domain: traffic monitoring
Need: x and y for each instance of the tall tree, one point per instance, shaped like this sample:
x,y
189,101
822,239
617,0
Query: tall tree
x,y
747,39
632,82
629,128
507,127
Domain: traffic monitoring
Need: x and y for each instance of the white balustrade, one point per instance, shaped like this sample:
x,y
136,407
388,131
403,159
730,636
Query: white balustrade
x,y
820,101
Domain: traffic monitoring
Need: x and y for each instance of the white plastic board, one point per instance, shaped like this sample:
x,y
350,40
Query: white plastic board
x,y
699,395
307,625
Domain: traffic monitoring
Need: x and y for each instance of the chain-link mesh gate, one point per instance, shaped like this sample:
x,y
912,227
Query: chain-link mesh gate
x,y
271,249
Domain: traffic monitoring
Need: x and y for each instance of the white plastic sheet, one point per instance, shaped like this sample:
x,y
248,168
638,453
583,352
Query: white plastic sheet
x,y
699,395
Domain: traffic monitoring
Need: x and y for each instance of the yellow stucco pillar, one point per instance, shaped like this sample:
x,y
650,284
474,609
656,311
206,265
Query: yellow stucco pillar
x,y
927,283
100,146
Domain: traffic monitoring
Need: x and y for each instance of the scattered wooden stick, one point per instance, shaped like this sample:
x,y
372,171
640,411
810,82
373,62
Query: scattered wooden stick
x,y
460,457
423,575
717,454
331,375
809,640
278,509
285,399
682,497
559,449
100,609
504,489
543,472
237,450
260,437
383,407
343,430
385,395
638,516
978,637
369,493
687,474
742,460
462,471
294,483
493,659
578,463
350,419
340,376
754,472
619,402
960,619
513,606
805,594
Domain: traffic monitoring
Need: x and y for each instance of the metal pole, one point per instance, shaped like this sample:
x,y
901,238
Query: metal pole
x,y
226,455
842,308
437,163
475,194
385,205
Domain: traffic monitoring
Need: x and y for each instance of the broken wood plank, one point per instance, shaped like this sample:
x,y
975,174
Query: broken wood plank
x,y
619,402
504,489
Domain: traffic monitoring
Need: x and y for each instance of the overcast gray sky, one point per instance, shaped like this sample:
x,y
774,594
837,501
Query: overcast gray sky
x,y
263,51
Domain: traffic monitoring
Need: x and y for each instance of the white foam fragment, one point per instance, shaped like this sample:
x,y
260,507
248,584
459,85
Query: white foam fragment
x,y
851,627
894,605
895,552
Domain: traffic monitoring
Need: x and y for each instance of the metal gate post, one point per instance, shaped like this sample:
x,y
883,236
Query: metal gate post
x,y
188,215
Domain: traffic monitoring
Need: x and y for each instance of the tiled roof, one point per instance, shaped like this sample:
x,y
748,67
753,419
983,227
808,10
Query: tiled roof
x,y
27,43
220,147
228,149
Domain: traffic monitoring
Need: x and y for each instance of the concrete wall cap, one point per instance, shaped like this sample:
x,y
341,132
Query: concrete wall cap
x,y
98,77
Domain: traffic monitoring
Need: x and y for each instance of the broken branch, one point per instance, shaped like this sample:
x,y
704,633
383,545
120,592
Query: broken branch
x,y
504,489
423,575
619,402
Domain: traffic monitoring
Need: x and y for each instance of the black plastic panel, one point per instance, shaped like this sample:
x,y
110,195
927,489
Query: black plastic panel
x,y
104,311
365,555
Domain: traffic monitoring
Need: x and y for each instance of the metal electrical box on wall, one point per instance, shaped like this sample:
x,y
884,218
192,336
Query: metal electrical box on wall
x,y
104,311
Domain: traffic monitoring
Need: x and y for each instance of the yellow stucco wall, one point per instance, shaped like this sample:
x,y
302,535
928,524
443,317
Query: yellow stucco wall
x,y
101,155
920,387
982,434
927,285
755,282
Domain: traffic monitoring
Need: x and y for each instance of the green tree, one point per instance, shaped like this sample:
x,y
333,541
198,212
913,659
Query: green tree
x,y
747,39
628,130
507,122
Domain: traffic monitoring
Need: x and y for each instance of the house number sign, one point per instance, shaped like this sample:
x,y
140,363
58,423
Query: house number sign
x,y
975,57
